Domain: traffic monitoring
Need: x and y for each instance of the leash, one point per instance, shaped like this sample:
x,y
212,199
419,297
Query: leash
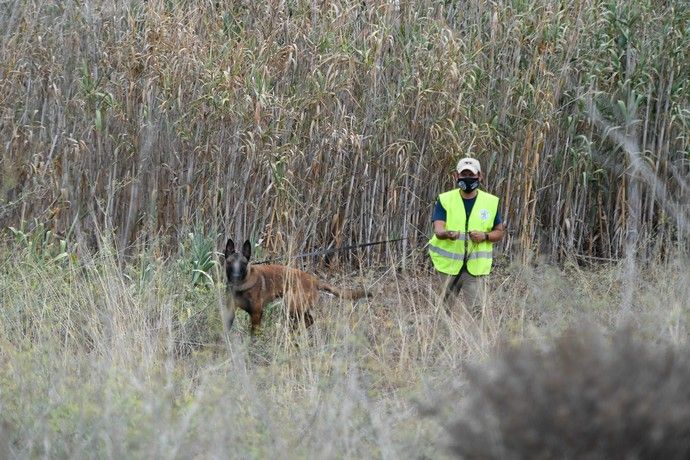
x,y
330,251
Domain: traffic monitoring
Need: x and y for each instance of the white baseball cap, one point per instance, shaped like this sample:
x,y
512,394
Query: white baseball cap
x,y
470,164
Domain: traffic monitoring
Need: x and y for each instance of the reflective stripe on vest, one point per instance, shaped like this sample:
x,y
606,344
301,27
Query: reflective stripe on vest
x,y
448,256
454,256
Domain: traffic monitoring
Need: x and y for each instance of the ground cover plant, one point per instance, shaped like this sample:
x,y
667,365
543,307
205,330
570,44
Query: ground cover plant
x,y
585,396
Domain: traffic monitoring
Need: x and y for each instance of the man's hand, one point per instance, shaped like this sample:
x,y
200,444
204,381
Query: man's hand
x,y
443,234
477,236
451,235
448,235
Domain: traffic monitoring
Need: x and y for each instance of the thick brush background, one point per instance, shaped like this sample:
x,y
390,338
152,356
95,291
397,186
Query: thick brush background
x,y
315,124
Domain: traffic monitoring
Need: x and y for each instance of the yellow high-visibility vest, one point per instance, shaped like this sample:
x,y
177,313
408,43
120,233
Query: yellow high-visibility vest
x,y
448,256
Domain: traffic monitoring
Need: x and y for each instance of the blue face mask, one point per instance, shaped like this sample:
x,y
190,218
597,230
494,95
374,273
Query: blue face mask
x,y
467,184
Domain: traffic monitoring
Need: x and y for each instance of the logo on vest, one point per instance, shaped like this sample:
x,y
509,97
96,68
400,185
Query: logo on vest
x,y
484,214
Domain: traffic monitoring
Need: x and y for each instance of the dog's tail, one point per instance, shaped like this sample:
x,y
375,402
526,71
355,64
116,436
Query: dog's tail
x,y
350,294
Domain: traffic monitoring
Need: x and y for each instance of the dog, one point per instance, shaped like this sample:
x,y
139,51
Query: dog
x,y
252,287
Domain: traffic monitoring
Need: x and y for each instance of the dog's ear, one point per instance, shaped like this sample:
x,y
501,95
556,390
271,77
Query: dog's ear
x,y
229,248
247,249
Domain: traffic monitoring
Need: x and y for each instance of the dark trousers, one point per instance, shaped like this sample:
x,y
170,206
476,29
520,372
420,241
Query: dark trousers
x,y
462,289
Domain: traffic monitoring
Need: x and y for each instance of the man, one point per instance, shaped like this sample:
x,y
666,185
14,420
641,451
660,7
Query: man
x,y
467,223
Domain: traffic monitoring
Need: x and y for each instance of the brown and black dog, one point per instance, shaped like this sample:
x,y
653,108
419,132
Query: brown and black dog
x,y
252,287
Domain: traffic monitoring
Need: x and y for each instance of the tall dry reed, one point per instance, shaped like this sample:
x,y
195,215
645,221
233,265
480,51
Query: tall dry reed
x,y
337,122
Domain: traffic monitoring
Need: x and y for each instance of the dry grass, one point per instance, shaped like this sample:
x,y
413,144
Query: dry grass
x,y
101,362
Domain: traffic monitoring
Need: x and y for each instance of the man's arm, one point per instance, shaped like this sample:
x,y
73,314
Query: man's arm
x,y
496,234
439,220
441,232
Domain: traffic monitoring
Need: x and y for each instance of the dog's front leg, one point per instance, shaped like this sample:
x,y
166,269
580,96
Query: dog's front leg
x,y
228,314
230,318
256,321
